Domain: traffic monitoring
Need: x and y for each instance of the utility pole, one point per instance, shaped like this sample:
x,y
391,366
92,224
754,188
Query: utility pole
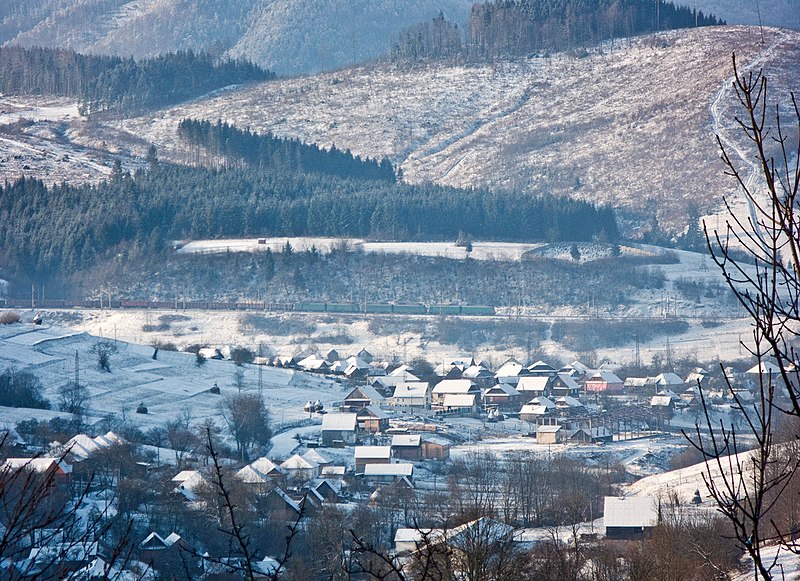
x,y
77,370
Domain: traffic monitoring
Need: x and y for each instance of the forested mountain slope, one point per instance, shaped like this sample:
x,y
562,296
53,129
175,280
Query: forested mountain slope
x,y
287,36
631,125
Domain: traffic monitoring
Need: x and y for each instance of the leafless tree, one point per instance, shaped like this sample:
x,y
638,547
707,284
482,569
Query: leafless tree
x,y
105,350
72,397
248,421
760,259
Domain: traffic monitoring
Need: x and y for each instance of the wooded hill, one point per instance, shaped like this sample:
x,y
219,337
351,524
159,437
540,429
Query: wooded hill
x,y
125,86
270,153
62,229
514,28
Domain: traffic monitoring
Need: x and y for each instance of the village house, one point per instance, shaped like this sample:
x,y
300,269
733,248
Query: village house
x,y
389,472
502,396
564,385
537,409
262,473
460,403
372,419
453,387
371,455
541,369
54,468
339,429
435,448
280,506
481,376
411,396
630,517
361,397
531,387
299,469
551,434
407,447
604,381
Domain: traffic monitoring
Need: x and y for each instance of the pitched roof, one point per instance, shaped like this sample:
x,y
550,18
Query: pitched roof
x,y
373,412
502,388
372,452
634,511
297,462
605,376
567,381
534,410
315,456
510,368
541,366
365,392
406,440
258,471
37,464
459,400
453,386
339,422
400,469
412,389
668,378
533,383
548,429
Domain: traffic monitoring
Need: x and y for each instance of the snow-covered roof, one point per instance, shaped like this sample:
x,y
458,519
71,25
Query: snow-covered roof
x,y
568,401
533,383
668,378
765,368
474,371
510,368
37,464
406,440
454,386
459,400
184,475
541,366
411,389
567,381
81,446
502,388
633,511
548,429
661,401
534,410
314,456
332,471
297,462
339,422
364,392
606,376
258,471
286,498
401,469
542,400
372,452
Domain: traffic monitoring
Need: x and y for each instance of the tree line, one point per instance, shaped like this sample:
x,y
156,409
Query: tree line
x,y
64,228
122,85
514,28
274,154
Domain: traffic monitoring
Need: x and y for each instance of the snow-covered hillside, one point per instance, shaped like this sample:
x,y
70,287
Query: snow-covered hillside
x,y
630,125
167,385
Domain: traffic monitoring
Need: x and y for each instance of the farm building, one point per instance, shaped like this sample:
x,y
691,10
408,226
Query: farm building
x,y
339,429
629,518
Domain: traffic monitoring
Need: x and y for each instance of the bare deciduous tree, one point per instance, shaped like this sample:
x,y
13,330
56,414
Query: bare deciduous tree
x,y
759,257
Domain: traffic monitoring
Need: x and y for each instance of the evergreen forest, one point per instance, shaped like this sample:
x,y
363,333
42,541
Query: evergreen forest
x,y
122,86
62,229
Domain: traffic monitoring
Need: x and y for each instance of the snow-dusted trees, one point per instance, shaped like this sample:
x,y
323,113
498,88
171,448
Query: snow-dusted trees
x,y
248,421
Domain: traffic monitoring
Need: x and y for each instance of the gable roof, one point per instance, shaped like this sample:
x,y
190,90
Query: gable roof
x,y
345,422
364,392
668,378
258,471
314,456
533,383
37,464
372,452
605,376
297,462
511,368
406,440
566,380
454,386
632,511
502,388
459,400
411,389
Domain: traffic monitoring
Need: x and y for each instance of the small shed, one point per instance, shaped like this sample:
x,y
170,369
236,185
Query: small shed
x,y
435,448
553,434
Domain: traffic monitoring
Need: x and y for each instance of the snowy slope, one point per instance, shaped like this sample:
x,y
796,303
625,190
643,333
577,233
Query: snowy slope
x,y
166,386
631,126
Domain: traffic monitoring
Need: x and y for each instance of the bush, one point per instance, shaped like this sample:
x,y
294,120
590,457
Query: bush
x,y
9,318
21,389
